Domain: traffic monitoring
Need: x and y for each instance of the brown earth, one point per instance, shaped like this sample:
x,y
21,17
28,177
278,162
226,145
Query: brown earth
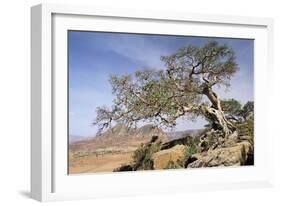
x,y
98,162
109,150
114,149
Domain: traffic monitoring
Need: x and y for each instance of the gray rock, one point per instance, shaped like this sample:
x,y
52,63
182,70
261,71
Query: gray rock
x,y
229,156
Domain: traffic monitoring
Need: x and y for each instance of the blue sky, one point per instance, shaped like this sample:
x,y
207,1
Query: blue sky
x,y
95,55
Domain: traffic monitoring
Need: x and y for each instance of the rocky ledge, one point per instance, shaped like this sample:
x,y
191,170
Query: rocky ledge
x,y
208,150
237,155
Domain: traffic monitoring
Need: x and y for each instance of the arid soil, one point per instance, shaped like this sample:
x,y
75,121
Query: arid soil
x,y
113,149
92,163
110,150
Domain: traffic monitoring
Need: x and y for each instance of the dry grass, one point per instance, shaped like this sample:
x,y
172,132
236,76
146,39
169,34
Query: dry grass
x,y
98,162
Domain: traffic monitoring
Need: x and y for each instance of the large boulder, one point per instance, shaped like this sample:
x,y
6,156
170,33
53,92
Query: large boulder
x,y
239,154
163,157
174,142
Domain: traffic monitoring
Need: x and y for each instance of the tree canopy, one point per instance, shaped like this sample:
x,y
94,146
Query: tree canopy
x,y
164,95
247,110
234,110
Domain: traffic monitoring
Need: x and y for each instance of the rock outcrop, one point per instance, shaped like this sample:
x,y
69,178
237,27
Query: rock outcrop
x,y
190,153
209,149
121,136
236,155
161,158
174,142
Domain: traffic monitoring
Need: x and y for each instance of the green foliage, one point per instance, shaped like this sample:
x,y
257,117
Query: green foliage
x,y
235,110
250,123
231,106
190,149
248,109
163,96
246,128
211,140
142,156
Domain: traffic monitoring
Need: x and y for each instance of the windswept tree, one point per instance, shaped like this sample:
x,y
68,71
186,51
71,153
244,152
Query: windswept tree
x,y
178,91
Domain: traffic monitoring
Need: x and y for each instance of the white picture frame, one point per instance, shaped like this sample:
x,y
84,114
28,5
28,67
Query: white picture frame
x,y
49,179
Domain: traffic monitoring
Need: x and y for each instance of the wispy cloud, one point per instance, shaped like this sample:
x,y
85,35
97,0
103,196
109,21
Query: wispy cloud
x,y
138,49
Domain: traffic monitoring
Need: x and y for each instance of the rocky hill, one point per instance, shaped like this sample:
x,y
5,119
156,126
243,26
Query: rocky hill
x,y
181,134
120,136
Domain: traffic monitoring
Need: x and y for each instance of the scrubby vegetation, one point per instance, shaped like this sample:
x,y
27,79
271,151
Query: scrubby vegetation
x,y
210,140
191,147
142,157
246,129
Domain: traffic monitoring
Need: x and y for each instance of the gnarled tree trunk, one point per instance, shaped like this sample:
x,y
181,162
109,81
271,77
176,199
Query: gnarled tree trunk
x,y
215,113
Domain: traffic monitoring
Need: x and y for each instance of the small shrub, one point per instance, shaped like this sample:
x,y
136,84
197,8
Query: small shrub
x,y
250,123
247,128
211,140
142,156
190,149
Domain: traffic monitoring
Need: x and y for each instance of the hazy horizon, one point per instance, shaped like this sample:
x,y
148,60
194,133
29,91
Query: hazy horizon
x,y
74,136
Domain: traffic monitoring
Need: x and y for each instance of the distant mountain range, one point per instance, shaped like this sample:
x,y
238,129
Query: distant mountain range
x,y
76,138
120,136
185,133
